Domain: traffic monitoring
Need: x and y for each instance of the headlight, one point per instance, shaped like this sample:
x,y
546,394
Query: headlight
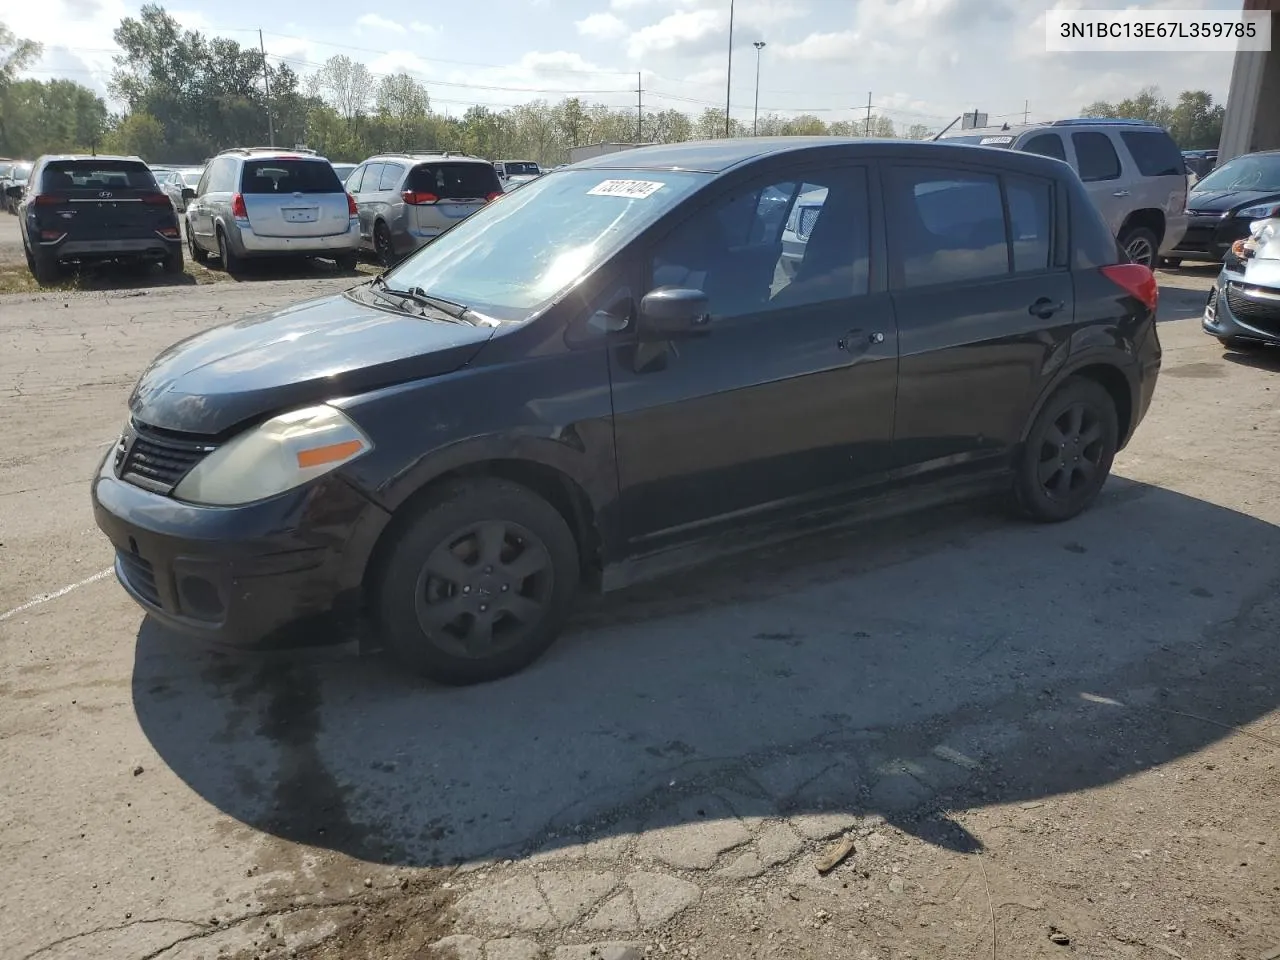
x,y
1259,212
275,456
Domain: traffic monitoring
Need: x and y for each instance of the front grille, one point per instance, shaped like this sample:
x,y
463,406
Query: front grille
x,y
159,459
808,217
1261,314
140,575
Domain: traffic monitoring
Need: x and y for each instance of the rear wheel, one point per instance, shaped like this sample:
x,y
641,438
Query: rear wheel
x,y
43,266
346,262
1141,246
383,249
173,262
230,262
198,253
478,583
1068,453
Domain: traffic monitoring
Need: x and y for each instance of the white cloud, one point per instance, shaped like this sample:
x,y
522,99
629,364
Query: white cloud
x,y
822,46
426,29
376,23
601,26
680,29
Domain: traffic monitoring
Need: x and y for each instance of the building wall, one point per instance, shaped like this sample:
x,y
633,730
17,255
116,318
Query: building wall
x,y
1252,119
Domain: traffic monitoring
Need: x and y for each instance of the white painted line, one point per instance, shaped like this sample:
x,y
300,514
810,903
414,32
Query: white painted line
x,y
61,592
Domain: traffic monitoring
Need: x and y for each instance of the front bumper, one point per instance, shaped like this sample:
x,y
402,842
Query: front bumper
x,y
1208,240
249,244
282,572
1262,322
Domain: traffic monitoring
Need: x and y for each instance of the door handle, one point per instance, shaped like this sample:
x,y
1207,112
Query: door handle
x,y
857,341
1121,193
1044,308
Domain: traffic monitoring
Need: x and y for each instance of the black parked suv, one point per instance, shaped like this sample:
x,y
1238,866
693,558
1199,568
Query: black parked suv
x,y
81,208
607,375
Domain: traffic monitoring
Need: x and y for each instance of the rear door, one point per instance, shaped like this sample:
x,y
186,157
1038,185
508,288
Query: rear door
x,y
983,299
100,200
1099,167
1159,181
366,192
293,197
440,193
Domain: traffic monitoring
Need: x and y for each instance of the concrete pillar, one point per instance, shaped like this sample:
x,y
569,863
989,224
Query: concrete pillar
x,y
1252,120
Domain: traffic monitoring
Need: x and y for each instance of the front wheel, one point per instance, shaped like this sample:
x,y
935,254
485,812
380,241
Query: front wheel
x,y
1068,453
1141,246
198,253
383,249
478,583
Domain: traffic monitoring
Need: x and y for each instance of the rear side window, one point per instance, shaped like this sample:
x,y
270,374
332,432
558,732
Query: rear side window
x,y
945,226
97,175
1096,157
289,175
1030,222
1046,145
1155,153
391,174
222,176
353,181
454,181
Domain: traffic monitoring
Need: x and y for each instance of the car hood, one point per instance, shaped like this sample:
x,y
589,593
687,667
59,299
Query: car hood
x,y
313,351
1220,201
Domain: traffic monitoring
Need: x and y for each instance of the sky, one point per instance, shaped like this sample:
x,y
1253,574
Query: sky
x,y
919,61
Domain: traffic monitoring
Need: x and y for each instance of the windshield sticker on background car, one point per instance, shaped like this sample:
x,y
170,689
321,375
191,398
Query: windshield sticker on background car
x,y
985,140
630,189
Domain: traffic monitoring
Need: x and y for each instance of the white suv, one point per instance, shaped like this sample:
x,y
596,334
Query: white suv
x,y
1132,169
266,202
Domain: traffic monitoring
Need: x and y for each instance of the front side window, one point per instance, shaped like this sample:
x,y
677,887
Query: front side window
x,y
353,181
289,175
1096,157
945,226
517,254
772,245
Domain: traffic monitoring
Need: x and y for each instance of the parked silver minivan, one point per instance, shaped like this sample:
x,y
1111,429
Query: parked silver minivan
x,y
256,202
405,200
1134,172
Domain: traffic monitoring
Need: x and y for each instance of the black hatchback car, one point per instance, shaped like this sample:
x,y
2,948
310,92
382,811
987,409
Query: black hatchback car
x,y
81,208
607,375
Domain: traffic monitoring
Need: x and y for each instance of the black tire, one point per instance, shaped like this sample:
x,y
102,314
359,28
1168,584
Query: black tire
x,y
384,250
231,264
43,267
198,253
346,262
434,593
173,262
1141,245
1240,343
1068,453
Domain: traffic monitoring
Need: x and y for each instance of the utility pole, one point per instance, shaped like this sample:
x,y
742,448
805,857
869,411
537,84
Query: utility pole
x,y
1026,111
755,114
639,108
266,82
868,132
728,80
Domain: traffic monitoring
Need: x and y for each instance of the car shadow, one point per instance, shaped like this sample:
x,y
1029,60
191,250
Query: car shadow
x,y
1263,358
904,669
1179,303
303,268
115,276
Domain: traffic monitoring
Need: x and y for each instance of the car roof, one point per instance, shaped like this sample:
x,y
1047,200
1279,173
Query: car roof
x,y
720,156
1016,130
51,157
428,156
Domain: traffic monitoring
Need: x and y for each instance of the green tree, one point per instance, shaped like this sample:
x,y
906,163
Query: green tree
x,y
805,125
16,54
346,84
138,134
918,131
1196,121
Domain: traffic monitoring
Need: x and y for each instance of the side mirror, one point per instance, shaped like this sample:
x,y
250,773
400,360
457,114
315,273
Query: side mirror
x,y
15,192
188,193
672,312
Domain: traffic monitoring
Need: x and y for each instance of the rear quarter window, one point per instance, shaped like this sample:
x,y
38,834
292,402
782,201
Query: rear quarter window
x,y
454,181
1155,153
289,175
97,175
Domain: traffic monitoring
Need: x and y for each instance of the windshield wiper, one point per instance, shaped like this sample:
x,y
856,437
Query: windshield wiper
x,y
449,308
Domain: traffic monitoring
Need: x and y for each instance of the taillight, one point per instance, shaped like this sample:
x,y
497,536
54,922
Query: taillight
x,y
418,198
352,209
1136,280
48,200
493,196
238,209
157,199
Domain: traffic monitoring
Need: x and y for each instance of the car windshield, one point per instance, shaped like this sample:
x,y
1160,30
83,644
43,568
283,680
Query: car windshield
x,y
1259,172
521,168
21,172
517,254
289,175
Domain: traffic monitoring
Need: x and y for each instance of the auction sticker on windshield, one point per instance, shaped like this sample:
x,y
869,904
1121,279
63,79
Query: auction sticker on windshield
x,y
988,140
630,189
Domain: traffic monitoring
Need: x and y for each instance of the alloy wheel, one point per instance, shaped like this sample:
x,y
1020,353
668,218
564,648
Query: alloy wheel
x,y
484,588
1071,452
1140,251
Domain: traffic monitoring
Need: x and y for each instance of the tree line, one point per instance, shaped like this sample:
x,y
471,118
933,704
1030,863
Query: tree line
x,y
185,96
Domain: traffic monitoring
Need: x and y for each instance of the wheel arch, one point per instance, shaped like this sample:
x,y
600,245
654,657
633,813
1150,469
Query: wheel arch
x,y
1108,374
1149,217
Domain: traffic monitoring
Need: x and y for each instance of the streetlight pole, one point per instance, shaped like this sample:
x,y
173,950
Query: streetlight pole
x,y
755,115
728,82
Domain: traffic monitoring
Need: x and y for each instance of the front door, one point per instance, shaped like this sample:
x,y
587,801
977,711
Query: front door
x,y
790,395
984,303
